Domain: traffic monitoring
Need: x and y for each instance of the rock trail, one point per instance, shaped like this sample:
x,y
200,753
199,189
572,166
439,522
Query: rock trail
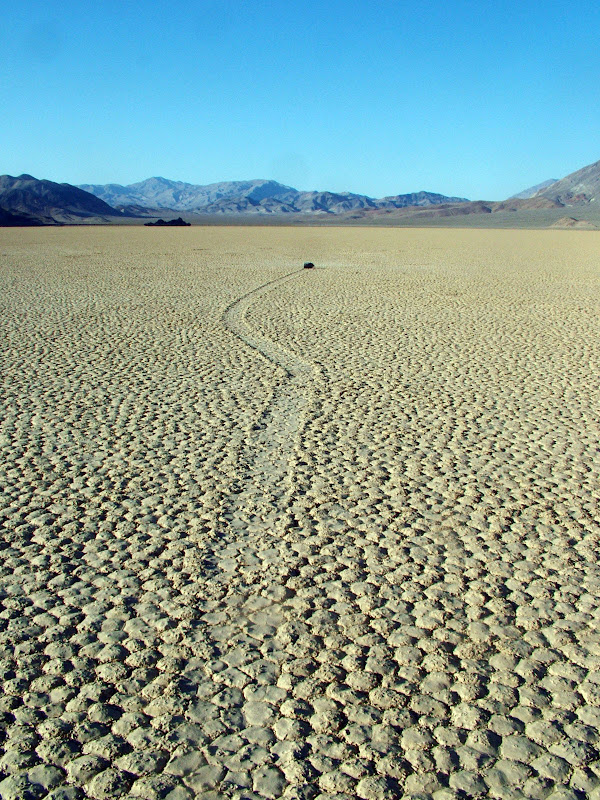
x,y
256,508
247,571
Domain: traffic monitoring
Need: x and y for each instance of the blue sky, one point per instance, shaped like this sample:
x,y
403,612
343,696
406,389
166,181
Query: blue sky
x,y
477,99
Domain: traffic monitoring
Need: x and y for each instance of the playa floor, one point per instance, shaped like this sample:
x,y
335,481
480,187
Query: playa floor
x,y
272,532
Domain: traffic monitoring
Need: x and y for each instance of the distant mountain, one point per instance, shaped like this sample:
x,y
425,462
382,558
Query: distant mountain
x,y
180,196
528,204
526,194
248,197
49,203
578,188
417,199
24,200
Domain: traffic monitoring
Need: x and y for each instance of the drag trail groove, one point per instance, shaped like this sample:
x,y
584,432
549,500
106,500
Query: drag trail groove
x,y
234,318
246,580
257,507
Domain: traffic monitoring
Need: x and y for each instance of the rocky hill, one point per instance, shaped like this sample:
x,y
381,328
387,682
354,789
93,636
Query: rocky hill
x,y
172,223
571,222
46,202
248,197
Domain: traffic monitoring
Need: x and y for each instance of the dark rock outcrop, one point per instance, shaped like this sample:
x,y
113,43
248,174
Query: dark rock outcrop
x,y
170,223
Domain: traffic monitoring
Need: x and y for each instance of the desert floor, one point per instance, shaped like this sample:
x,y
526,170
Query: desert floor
x,y
273,532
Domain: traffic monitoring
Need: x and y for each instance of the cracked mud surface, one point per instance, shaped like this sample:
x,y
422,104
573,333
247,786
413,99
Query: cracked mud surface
x,y
272,533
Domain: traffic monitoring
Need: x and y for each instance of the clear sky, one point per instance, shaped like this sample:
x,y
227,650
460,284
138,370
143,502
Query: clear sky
x,y
477,99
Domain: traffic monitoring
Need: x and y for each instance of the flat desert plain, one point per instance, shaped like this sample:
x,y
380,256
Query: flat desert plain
x,y
274,532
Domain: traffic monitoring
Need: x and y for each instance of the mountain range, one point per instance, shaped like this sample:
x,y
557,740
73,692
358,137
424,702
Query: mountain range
x,y
25,200
248,197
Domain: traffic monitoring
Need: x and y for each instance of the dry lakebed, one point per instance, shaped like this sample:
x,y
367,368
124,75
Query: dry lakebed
x,y
273,532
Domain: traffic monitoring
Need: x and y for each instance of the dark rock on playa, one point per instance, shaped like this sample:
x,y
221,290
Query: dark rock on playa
x,y
171,222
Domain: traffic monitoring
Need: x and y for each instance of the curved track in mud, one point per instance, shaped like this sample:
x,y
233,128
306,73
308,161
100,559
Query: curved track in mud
x,y
234,318
258,508
256,512
247,615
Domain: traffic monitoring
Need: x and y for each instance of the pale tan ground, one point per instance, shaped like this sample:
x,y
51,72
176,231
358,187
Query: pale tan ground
x,y
334,536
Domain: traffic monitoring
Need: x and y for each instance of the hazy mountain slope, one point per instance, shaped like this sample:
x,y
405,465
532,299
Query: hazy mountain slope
x,y
112,193
580,187
245,205
128,210
322,203
50,202
526,194
331,202
418,199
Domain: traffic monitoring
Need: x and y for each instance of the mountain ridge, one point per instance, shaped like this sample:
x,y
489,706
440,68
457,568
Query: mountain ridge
x,y
576,188
25,200
48,202
253,196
